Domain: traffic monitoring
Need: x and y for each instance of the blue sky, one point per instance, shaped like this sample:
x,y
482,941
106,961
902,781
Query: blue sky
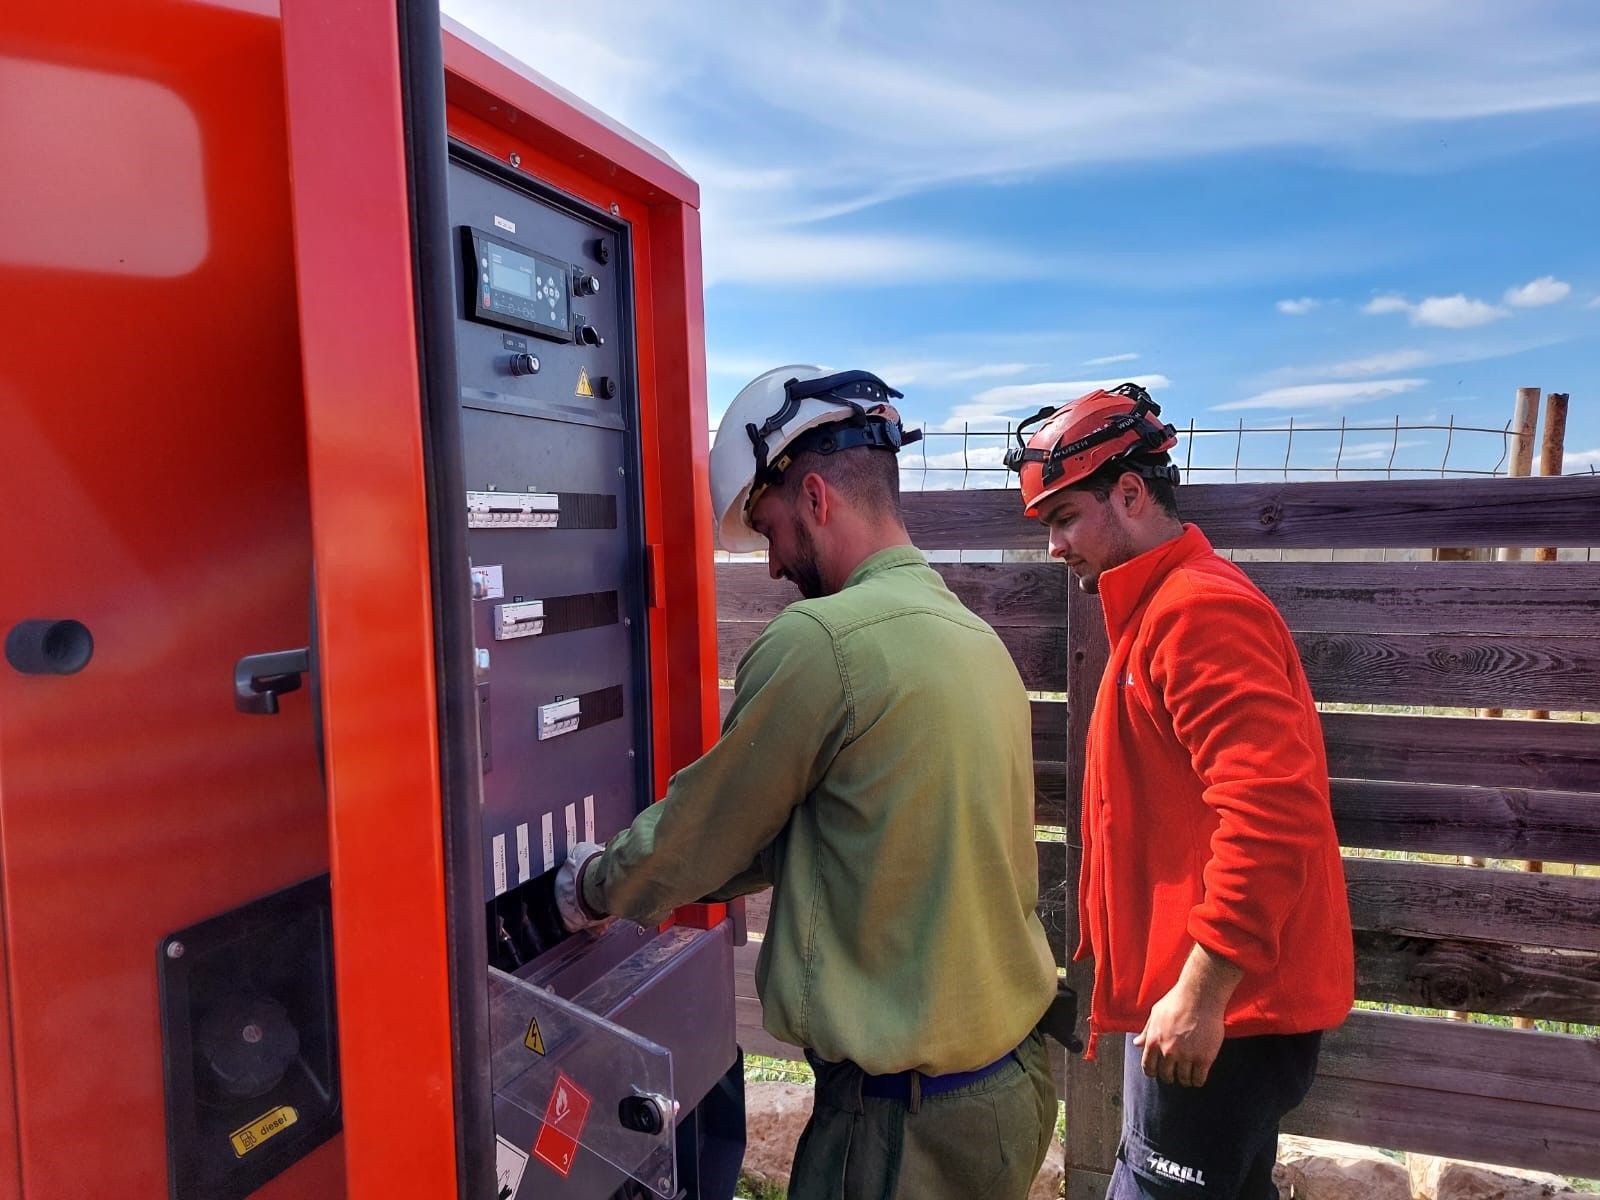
x,y
1354,212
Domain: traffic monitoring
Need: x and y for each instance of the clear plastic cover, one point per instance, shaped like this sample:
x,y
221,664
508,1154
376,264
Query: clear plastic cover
x,y
584,1079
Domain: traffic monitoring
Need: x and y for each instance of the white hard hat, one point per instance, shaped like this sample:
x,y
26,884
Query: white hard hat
x,y
768,415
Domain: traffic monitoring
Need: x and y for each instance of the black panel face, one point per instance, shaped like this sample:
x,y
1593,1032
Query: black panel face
x,y
550,458
514,286
249,1042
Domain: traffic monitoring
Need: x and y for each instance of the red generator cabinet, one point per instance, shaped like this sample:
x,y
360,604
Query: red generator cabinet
x,y
358,563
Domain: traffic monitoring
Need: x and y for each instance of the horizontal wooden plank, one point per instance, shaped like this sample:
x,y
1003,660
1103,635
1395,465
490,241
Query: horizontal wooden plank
x,y
1425,597
1435,1054
1469,670
1464,975
1476,1128
1457,819
1040,652
1373,514
1049,726
1554,755
1509,907
1049,793
1469,1091
1025,593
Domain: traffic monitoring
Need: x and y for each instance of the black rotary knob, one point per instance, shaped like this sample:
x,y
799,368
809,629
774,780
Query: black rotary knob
x,y
585,285
588,335
524,364
606,386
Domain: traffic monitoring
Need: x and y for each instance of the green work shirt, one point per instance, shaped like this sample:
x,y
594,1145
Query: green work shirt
x,y
876,770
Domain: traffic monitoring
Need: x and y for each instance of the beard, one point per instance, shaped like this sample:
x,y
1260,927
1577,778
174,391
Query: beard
x,y
1119,548
802,570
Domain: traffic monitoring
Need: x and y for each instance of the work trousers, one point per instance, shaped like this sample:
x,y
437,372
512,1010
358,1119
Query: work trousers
x,y
985,1141
1218,1141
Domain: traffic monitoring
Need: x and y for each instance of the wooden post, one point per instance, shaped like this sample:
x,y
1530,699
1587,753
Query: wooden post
x,y
1552,450
1524,419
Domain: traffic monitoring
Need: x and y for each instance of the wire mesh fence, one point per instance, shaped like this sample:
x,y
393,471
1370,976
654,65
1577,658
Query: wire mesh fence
x,y
1395,449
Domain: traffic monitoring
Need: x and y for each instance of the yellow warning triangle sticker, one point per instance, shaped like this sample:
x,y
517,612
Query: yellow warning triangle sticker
x,y
535,1040
584,390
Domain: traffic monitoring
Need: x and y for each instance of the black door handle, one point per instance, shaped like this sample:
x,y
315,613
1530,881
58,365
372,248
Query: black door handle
x,y
259,679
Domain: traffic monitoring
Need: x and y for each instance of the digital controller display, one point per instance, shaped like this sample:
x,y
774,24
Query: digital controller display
x,y
516,288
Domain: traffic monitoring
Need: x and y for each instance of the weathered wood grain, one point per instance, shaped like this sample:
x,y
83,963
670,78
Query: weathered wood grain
x,y
1469,1091
1456,819
1040,652
1449,1124
1049,793
1554,755
1028,593
1448,598
1094,1089
1465,671
1560,511
1508,907
1463,975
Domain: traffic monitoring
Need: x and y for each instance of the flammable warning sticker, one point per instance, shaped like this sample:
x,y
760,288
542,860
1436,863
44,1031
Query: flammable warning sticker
x,y
509,1163
564,1118
534,1040
268,1125
583,383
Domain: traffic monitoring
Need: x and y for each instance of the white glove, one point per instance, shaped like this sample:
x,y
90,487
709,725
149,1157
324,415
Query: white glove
x,y
575,914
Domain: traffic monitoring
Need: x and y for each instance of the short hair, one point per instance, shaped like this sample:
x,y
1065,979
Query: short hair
x,y
867,476
1103,478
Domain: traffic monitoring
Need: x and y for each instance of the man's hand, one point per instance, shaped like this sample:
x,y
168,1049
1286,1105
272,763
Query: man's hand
x,y
1185,1030
575,914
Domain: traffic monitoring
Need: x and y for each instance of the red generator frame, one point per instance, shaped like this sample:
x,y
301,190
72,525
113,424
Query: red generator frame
x,y
197,423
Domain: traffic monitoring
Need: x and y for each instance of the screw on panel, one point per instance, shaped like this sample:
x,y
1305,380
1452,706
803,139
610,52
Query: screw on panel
x,y
516,159
616,209
251,1034
630,754
622,470
174,949
628,621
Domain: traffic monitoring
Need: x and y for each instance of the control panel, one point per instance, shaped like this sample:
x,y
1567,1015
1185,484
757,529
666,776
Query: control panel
x,y
550,455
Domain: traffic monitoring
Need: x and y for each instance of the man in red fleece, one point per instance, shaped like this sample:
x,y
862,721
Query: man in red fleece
x,y
1212,896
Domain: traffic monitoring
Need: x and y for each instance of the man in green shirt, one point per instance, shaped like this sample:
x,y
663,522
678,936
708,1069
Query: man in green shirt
x,y
875,771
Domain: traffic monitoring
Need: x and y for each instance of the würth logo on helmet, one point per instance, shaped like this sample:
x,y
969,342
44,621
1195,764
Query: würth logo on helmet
x,y
1078,438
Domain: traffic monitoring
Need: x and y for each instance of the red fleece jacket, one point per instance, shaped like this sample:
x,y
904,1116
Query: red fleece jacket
x,y
1205,803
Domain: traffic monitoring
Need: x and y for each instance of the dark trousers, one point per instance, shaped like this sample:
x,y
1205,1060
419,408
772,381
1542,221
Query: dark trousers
x,y
985,1141
1218,1141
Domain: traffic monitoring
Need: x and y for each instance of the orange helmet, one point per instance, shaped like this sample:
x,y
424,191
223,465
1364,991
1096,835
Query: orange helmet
x,y
1085,434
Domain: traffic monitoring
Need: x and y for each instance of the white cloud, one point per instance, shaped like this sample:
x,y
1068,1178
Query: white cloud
x,y
993,408
1595,303
986,371
1379,305
1546,289
1376,364
1020,93
1109,359
1322,395
1298,308
1455,312
1583,458
1439,312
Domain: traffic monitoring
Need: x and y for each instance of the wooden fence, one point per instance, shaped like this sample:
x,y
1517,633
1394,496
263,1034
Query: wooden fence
x,y
1429,934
